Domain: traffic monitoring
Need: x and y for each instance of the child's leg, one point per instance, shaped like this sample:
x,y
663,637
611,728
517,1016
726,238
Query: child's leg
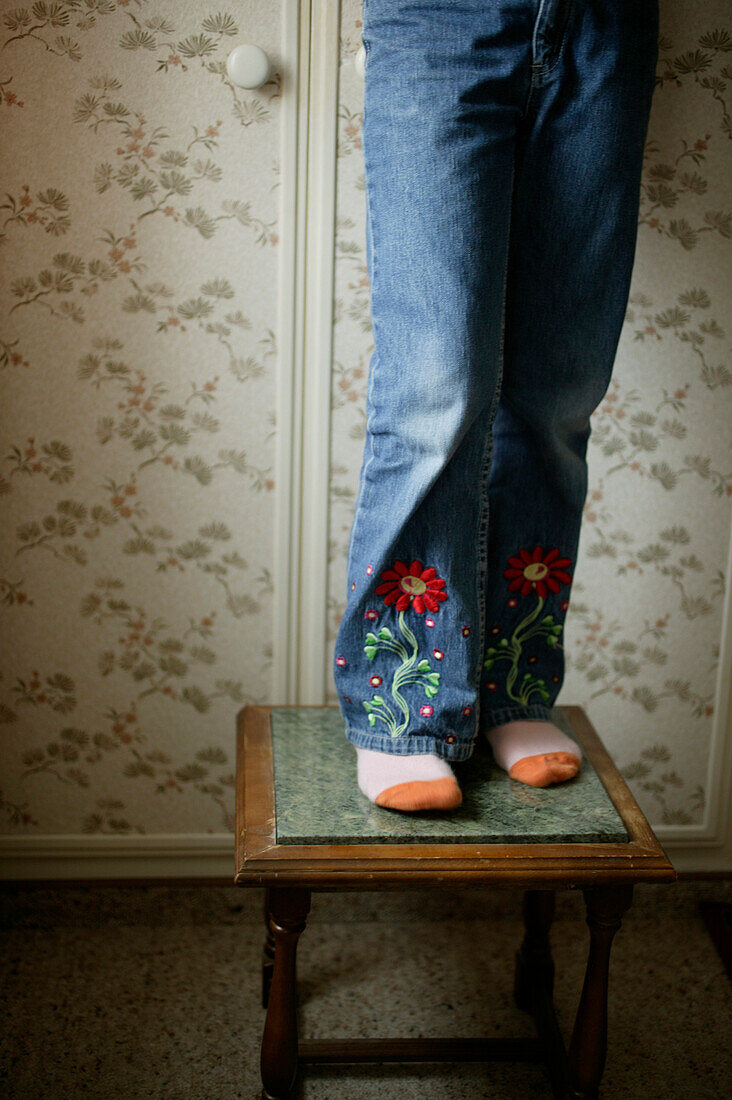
x,y
442,589
440,113
572,244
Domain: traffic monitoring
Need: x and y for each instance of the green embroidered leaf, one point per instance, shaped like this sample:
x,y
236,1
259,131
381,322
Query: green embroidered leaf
x,y
423,666
370,651
378,699
371,638
504,642
367,705
430,691
385,632
372,720
551,640
488,665
434,678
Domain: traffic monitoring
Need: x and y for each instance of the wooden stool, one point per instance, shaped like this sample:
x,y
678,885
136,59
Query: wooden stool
x,y
302,825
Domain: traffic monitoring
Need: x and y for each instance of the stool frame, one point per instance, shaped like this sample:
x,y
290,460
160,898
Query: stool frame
x,y
606,873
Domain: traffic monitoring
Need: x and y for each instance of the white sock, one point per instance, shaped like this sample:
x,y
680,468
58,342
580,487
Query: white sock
x,y
514,740
379,770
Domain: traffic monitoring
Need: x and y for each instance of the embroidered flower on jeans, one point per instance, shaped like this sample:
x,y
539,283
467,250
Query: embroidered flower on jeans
x,y
542,573
536,570
404,587
412,584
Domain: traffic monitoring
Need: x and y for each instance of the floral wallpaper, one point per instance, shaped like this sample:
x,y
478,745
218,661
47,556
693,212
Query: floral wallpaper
x,y
139,196
139,250
642,633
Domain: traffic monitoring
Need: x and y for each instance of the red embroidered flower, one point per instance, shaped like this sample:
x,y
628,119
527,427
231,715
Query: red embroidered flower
x,y
542,572
412,584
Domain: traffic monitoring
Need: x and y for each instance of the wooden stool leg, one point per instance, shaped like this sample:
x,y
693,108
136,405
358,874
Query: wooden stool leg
x,y
534,985
534,963
288,910
267,953
605,908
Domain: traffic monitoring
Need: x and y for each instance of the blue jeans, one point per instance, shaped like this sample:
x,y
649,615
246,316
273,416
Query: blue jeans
x,y
503,143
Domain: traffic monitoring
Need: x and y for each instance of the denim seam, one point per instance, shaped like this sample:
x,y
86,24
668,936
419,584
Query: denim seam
x,y
407,746
484,521
500,715
375,358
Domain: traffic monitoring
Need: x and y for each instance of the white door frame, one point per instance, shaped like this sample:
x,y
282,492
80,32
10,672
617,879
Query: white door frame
x,y
309,140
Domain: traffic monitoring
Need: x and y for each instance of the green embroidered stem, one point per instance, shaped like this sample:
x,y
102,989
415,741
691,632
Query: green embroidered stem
x,y
515,652
405,673
379,708
527,622
512,649
408,634
402,674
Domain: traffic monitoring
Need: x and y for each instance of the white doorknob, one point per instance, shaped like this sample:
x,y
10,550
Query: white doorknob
x,y
360,62
247,66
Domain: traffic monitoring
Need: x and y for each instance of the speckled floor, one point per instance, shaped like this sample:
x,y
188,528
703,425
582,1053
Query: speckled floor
x,y
153,991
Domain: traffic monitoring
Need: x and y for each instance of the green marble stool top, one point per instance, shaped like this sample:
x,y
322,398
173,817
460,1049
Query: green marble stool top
x,y
317,800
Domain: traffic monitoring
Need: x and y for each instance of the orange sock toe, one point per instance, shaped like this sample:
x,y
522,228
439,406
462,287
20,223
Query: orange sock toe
x,y
545,768
426,794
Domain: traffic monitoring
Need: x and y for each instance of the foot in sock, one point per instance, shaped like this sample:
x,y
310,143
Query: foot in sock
x,y
535,752
422,781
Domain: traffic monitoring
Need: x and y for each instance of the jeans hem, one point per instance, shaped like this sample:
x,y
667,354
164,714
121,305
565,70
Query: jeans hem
x,y
410,746
497,717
